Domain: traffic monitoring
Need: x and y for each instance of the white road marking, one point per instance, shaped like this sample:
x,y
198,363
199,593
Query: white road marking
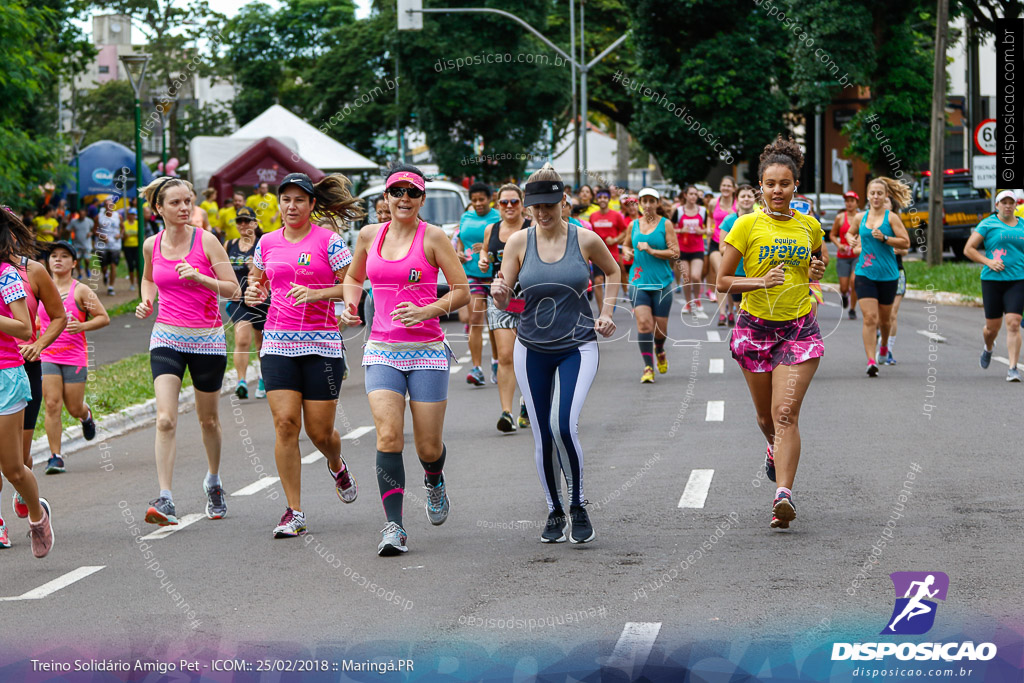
x,y
697,487
714,336
932,336
700,315
716,366
832,303
51,587
715,411
165,531
634,647
259,485
357,432
455,368
464,359
1004,361
312,457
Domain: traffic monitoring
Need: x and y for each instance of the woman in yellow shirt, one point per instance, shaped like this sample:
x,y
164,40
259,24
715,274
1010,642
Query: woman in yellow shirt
x,y
780,249
130,245
212,210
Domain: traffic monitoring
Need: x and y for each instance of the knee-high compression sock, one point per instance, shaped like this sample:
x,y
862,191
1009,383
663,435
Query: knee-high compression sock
x,y
647,348
659,344
434,470
391,482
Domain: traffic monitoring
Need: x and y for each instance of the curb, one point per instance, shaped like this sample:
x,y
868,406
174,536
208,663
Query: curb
x,y
946,298
129,419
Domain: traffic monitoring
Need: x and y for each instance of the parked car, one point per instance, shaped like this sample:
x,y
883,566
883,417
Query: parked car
x,y
830,206
963,207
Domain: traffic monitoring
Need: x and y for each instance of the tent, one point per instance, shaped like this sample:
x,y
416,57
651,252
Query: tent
x,y
207,153
316,147
602,162
108,167
264,161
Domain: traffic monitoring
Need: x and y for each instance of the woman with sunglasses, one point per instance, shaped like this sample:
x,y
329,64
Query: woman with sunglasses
x,y
406,353
503,324
248,320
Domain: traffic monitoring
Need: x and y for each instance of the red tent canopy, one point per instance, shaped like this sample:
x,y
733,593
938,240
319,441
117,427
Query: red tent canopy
x,y
265,161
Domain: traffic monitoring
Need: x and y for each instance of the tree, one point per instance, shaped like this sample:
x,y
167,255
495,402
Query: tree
x,y
208,119
107,112
255,58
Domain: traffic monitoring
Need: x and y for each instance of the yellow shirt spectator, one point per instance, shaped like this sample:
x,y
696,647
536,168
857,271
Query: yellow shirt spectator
x,y
266,209
226,219
765,242
1020,211
211,213
131,233
46,228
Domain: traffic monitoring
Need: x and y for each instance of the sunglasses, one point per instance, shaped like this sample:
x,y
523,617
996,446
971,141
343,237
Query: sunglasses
x,y
508,202
399,192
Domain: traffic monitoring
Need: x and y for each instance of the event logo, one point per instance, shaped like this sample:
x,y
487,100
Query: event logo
x,y
305,259
914,613
414,275
103,176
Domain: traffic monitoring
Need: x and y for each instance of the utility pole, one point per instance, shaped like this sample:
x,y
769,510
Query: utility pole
x,y
575,117
938,135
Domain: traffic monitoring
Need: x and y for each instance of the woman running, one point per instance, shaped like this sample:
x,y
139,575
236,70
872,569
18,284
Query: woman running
x,y
653,246
302,267
779,248
631,212
901,289
846,258
406,353
611,227
66,360
1002,278
15,391
503,324
690,220
187,268
876,237
557,342
248,320
723,205
745,200
469,244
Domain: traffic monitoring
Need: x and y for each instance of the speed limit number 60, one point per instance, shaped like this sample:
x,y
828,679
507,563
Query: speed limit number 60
x,y
985,137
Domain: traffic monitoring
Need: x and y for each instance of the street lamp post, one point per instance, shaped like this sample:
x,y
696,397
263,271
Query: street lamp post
x,y
77,135
135,66
164,104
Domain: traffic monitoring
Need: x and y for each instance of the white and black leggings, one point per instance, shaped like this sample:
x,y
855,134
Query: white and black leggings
x,y
555,385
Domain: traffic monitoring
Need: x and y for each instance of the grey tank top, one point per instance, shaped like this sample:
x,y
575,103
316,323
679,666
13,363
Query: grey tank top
x,y
557,315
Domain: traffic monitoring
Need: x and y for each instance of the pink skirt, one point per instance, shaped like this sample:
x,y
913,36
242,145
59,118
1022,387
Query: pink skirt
x,y
762,345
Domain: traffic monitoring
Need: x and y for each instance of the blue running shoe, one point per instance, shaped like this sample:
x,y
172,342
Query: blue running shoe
x,y
55,465
986,358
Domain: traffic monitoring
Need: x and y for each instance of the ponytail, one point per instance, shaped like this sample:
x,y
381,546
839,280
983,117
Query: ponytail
x,y
334,201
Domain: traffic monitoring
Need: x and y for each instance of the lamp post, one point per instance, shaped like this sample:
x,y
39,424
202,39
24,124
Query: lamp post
x,y
164,104
77,135
135,67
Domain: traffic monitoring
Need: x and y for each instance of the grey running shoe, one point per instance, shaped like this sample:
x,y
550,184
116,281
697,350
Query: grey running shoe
x,y
438,504
161,512
986,358
344,483
216,506
554,530
292,524
392,540
1013,375
582,529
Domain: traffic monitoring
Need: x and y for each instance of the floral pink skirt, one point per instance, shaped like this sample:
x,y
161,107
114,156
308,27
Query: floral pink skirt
x,y
760,345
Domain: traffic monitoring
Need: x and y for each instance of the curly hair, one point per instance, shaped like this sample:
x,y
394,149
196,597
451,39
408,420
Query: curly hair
x,y
784,152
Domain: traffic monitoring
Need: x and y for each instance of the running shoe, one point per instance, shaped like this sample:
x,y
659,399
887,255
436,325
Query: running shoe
x,y
732,320
769,464
506,423
524,417
582,529
392,540
494,372
344,483
554,529
663,362
986,358
711,294
1013,375
679,289
292,524
438,504
852,314
5,541
216,506
161,512
721,320
699,307
41,532
242,389
783,511
110,291
476,377
20,509
686,308
55,465
89,427
261,389
889,360
648,376
872,370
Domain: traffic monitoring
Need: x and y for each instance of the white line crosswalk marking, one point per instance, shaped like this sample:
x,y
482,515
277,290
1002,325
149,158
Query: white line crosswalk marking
x,y
258,485
715,412
634,647
716,366
697,487
51,587
165,531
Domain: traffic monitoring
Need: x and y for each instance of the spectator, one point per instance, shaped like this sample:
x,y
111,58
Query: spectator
x,y
131,244
229,215
264,203
80,229
209,205
109,234
47,226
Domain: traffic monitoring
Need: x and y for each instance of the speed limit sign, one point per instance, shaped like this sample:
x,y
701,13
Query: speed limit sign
x,y
985,137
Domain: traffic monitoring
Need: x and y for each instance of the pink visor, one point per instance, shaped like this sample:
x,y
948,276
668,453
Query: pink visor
x,y
398,177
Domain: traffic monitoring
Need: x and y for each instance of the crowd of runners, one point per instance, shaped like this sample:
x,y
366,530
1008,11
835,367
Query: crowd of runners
x,y
535,270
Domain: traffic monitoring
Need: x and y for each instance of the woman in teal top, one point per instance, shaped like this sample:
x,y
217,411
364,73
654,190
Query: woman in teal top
x,y
877,237
1002,278
655,249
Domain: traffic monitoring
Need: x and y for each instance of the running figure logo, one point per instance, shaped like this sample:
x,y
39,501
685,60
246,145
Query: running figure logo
x,y
304,259
998,254
915,587
637,272
869,260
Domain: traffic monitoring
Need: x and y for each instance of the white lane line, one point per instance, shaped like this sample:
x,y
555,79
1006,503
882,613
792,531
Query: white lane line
x,y
634,647
832,303
165,531
312,457
932,336
357,432
1004,361
51,587
716,366
258,485
714,336
700,315
464,359
715,411
697,487
455,368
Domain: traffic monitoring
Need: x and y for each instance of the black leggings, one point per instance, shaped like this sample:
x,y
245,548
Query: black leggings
x,y
207,370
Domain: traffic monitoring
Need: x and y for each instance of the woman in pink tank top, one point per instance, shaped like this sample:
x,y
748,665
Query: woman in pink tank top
x,y
406,353
302,267
66,360
720,208
187,268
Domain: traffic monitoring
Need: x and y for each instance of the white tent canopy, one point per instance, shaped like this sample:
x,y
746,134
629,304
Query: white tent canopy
x,y
207,153
319,149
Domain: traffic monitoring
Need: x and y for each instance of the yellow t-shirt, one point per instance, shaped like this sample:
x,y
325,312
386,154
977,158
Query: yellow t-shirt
x,y
1020,210
43,223
226,219
212,212
131,234
766,242
265,208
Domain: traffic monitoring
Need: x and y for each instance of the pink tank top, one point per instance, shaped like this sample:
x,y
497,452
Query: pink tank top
x,y
184,303
12,288
719,215
845,250
30,299
67,348
410,279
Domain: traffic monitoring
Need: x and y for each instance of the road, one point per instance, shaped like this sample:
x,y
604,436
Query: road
x,y
663,587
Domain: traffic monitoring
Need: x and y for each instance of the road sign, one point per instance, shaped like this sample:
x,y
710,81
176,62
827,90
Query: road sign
x,y
409,16
985,137
984,171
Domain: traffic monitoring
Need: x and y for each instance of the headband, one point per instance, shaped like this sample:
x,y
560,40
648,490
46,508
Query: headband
x,y
159,187
407,176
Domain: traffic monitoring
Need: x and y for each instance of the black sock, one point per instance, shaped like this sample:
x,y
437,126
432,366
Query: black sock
x,y
433,470
659,345
647,348
846,300
391,482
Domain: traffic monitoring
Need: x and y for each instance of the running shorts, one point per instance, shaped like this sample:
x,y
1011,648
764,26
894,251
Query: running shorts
x,y
882,290
207,370
658,300
845,266
15,392
712,247
498,319
1002,296
760,345
691,256
34,370
239,312
316,377
70,374
479,285
427,386
109,257
131,258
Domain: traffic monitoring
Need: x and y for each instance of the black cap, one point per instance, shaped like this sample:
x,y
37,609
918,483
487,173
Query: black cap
x,y
300,180
245,212
64,244
544,192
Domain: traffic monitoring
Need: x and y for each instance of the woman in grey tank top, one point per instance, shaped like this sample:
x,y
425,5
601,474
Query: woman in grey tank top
x,y
557,341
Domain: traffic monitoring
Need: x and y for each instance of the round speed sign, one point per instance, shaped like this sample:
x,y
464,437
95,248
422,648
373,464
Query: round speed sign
x,y
985,137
